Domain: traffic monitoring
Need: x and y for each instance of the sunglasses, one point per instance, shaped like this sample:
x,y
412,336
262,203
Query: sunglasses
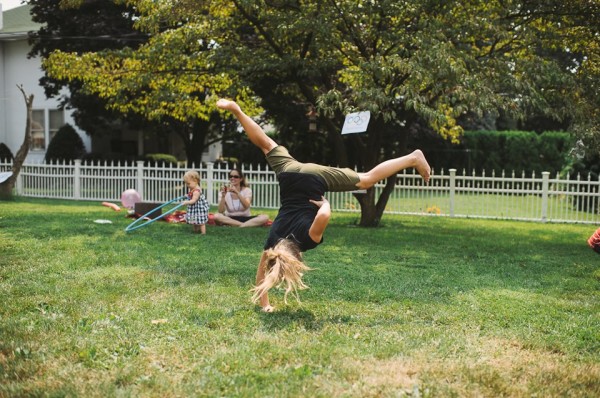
x,y
235,177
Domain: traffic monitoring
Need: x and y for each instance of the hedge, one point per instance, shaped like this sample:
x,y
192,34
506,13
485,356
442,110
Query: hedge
x,y
519,151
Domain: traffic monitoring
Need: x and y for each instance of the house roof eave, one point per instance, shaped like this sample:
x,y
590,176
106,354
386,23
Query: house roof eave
x,y
13,36
17,23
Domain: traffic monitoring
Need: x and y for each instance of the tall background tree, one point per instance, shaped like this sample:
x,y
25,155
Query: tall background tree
x,y
6,187
408,62
93,26
107,27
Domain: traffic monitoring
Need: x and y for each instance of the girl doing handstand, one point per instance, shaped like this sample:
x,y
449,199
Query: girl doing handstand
x,y
304,212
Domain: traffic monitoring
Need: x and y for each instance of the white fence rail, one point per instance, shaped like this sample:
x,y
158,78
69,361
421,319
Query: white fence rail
x,y
532,198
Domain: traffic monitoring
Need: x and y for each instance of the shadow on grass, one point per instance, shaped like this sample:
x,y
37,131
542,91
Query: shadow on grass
x,y
436,259
286,318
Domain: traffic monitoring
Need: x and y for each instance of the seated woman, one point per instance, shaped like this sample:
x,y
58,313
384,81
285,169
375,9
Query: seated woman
x,y
234,204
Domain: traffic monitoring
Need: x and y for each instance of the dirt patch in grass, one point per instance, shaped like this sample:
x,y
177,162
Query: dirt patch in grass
x,y
493,367
507,367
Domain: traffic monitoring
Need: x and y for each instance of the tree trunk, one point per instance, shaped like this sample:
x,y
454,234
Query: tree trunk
x,y
367,208
198,142
336,139
6,188
372,207
371,211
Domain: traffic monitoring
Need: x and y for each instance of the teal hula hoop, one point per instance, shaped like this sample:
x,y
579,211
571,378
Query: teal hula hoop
x,y
137,223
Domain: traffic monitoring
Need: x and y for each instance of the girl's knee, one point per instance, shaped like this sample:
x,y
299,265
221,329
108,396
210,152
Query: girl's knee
x,y
365,181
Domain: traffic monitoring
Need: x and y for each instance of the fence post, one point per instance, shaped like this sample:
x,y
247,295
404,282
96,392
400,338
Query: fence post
x,y
209,181
19,184
77,179
139,183
545,185
452,186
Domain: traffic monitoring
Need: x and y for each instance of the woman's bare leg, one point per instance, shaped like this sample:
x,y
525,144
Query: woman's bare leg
x,y
222,219
254,132
393,166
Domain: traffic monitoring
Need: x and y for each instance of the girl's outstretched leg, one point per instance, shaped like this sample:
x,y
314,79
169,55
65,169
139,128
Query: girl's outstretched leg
x,y
254,132
393,166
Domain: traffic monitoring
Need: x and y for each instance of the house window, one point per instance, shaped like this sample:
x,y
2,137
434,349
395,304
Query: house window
x,y
38,131
44,127
57,120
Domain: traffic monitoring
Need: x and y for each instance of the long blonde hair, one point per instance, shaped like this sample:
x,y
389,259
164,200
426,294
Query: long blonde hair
x,y
284,266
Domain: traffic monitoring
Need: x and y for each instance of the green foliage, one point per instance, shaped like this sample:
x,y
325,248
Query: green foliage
x,y
485,147
379,56
586,167
65,146
406,62
81,27
521,151
161,159
104,27
5,153
554,148
497,151
89,310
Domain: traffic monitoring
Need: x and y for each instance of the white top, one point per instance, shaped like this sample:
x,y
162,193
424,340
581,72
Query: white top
x,y
233,207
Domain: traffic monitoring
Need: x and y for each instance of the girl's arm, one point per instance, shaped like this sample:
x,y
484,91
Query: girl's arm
x,y
263,300
317,229
223,201
195,197
245,201
254,132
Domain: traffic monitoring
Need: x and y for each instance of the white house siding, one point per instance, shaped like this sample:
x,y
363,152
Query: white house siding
x,y
18,70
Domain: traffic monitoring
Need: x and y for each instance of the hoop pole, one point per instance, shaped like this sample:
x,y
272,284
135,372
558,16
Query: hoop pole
x,y
136,223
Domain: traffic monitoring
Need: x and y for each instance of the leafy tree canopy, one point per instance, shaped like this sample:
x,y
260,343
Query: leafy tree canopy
x,y
403,60
94,26
105,27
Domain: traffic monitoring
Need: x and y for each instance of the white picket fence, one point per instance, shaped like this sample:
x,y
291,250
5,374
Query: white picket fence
x,y
507,196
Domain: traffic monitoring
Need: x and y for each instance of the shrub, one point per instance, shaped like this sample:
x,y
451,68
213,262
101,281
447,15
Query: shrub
x,y
589,166
5,153
554,149
521,152
485,153
98,158
65,146
517,150
160,159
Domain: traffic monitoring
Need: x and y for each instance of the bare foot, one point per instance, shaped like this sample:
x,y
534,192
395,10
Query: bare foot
x,y
421,165
228,105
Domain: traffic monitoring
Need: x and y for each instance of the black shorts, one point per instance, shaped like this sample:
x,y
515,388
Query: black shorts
x,y
241,218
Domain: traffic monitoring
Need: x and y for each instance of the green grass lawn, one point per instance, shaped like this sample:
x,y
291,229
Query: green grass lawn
x,y
420,307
